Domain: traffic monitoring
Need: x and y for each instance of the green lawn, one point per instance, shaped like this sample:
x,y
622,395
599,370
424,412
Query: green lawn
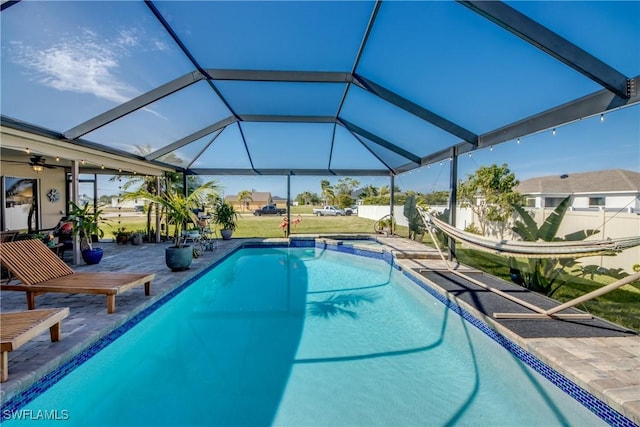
x,y
268,226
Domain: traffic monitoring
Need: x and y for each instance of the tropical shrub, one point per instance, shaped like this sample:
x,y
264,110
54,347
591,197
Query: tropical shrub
x,y
416,224
540,274
86,223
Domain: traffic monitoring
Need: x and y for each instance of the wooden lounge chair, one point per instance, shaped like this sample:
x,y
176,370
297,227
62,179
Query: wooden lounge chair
x,y
41,271
18,328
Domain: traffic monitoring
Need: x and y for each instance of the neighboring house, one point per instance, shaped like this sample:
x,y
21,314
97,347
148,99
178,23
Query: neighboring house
x,y
280,202
598,190
257,200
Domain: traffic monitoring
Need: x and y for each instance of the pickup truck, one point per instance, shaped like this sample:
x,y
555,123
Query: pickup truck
x,y
329,211
269,210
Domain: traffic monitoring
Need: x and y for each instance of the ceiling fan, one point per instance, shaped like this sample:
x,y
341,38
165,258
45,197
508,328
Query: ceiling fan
x,y
38,163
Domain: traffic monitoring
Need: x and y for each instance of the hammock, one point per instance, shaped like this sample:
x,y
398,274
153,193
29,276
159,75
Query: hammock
x,y
535,250
523,249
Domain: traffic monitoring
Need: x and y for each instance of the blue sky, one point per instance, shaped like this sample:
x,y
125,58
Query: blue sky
x,y
65,62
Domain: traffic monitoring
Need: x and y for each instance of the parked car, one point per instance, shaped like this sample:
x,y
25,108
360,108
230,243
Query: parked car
x,y
328,211
269,210
353,210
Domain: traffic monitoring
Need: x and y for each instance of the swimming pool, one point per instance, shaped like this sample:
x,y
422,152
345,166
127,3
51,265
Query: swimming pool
x,y
306,337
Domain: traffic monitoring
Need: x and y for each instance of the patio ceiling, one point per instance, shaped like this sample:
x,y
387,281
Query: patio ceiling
x,y
309,88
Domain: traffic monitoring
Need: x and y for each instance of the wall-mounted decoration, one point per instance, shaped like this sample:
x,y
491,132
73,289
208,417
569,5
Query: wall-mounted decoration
x,y
19,204
53,195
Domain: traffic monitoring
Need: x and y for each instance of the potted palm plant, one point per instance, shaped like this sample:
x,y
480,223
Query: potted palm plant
x,y
226,217
179,210
86,225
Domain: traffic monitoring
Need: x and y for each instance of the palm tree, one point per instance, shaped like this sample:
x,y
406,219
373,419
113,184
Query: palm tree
x,y
305,197
327,191
244,196
179,208
368,191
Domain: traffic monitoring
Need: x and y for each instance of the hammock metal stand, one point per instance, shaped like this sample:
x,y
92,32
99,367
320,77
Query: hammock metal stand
x,y
538,313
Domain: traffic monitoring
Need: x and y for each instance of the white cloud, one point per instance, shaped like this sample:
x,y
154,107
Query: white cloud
x,y
87,63
127,38
160,45
80,65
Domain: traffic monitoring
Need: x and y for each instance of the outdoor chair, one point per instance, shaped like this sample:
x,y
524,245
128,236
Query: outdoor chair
x,y
18,328
41,271
6,236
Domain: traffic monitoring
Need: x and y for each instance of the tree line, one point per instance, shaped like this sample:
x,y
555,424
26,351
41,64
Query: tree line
x,y
347,191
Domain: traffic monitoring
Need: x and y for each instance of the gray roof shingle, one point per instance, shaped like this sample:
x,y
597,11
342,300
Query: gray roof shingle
x,y
613,180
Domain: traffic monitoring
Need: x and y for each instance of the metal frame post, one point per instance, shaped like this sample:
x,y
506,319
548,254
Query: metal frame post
x,y
288,204
75,195
392,202
453,198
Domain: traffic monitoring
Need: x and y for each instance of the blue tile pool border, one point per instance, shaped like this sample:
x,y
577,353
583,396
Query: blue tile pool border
x,y
595,405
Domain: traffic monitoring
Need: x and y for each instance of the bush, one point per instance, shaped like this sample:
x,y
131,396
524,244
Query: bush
x,y
471,228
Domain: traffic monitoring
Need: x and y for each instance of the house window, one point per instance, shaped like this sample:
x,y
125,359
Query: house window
x,y
596,202
531,202
552,202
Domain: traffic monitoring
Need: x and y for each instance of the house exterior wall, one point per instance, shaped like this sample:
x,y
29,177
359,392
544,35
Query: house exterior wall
x,y
49,212
249,205
628,201
623,201
580,202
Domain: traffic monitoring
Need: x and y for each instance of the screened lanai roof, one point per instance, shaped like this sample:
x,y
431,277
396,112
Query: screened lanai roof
x,y
311,88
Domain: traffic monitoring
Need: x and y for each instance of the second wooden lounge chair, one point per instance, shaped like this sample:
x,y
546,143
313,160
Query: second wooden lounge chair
x,y
41,271
18,328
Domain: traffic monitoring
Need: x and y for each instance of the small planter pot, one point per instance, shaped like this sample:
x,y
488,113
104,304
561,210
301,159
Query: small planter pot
x,y
226,234
136,239
92,256
122,240
178,259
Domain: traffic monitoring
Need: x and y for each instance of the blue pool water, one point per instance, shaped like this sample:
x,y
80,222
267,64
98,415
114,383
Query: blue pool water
x,y
305,337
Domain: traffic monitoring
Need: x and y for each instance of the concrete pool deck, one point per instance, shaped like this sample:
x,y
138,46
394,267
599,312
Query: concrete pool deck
x,y
606,366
